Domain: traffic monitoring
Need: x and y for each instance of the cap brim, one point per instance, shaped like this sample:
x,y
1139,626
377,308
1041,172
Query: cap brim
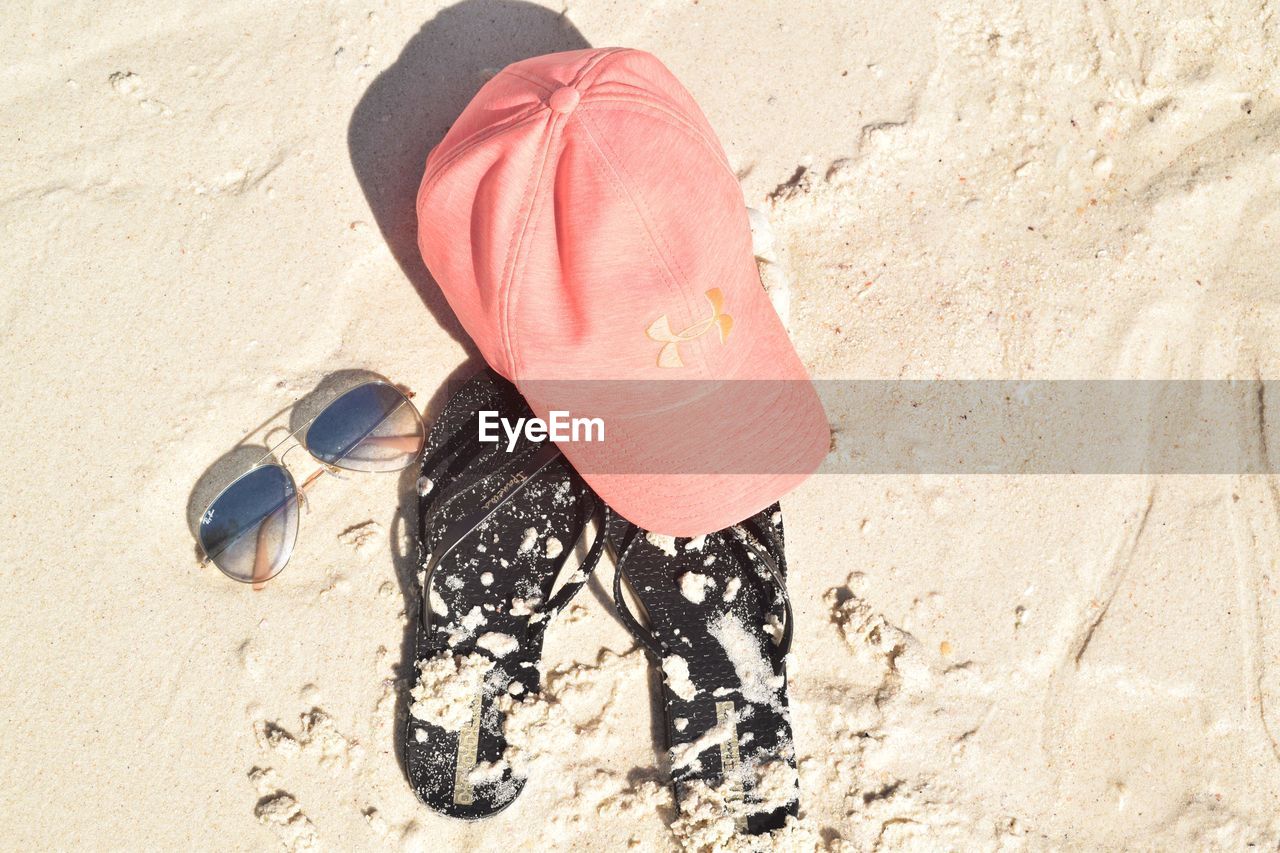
x,y
703,454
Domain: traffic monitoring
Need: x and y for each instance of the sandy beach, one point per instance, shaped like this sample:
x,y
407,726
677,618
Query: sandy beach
x,y
208,211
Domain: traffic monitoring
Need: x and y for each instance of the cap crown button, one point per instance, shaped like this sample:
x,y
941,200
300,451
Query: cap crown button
x,y
564,99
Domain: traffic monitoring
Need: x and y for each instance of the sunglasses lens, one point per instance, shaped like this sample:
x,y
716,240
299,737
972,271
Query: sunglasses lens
x,y
249,529
370,428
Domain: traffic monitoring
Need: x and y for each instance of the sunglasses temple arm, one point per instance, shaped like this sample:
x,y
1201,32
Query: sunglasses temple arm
x,y
321,471
409,442
307,483
311,481
261,556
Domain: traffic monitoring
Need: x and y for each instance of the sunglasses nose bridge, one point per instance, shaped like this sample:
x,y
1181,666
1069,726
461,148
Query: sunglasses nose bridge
x,y
305,485
296,443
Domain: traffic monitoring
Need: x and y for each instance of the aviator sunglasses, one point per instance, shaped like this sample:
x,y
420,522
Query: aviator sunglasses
x,y
248,530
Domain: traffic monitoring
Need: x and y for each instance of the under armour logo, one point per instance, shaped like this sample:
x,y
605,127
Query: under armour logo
x,y
660,331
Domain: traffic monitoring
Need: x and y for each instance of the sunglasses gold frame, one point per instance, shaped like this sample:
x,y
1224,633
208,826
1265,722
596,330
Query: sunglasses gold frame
x,y
262,561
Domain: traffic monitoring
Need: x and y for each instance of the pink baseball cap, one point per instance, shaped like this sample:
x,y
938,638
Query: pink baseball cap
x,y
585,225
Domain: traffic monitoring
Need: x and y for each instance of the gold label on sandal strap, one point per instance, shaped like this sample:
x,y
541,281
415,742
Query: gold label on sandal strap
x,y
468,749
729,763
515,480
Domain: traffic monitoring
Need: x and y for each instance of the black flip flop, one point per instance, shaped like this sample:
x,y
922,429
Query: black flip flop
x,y
719,628
496,530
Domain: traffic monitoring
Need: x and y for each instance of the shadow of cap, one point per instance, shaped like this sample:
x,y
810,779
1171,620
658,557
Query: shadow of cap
x,y
410,106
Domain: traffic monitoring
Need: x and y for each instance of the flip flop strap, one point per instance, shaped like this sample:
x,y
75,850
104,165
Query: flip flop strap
x,y
645,637
448,456
765,554
528,469
565,594
642,635
445,455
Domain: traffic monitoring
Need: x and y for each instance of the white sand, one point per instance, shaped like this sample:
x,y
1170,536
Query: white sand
x,y
955,189
694,585
446,686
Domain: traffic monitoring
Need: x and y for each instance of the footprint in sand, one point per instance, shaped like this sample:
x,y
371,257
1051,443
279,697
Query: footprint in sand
x,y
130,85
363,536
317,737
281,813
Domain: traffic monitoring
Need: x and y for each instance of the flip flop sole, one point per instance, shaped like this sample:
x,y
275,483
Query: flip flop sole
x,y
708,603
485,600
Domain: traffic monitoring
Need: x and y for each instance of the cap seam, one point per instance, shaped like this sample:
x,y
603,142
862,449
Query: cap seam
x,y
509,294
594,65
528,78
539,200
511,267
683,124
610,173
649,99
551,85
680,277
603,165
432,176
645,212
